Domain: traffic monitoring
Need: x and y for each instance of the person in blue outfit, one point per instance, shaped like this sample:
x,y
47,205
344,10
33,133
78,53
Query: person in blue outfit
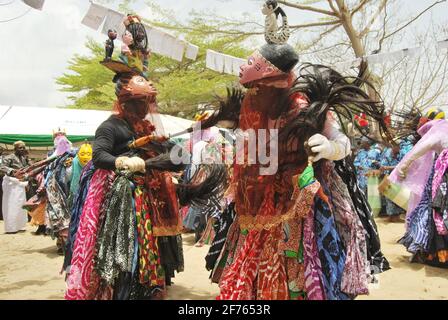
x,y
406,145
367,159
391,157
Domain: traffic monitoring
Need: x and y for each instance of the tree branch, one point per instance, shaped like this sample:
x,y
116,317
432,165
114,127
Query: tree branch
x,y
414,19
359,6
316,24
374,17
332,6
308,8
384,30
320,37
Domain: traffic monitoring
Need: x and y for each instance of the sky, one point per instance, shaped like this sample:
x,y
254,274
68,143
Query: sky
x,y
35,49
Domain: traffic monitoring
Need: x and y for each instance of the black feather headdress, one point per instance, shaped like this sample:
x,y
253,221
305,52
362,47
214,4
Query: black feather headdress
x,y
228,110
209,181
327,90
163,162
406,122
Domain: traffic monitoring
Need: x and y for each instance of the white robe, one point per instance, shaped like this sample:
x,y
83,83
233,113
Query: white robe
x,y
14,197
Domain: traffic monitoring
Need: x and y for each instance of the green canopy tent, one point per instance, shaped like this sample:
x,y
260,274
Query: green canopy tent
x,y
35,125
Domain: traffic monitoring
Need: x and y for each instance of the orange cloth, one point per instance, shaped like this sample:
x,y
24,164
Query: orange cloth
x,y
38,214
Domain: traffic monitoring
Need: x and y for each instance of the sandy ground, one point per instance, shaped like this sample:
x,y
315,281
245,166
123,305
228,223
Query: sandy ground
x,y
405,281
29,269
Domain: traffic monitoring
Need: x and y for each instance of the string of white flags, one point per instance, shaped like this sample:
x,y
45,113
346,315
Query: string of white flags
x,y
223,63
394,56
160,42
35,4
165,44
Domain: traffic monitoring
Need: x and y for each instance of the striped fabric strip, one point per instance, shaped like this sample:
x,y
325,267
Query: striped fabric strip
x,y
440,167
416,238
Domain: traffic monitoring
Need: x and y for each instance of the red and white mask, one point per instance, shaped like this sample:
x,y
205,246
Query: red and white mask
x,y
257,68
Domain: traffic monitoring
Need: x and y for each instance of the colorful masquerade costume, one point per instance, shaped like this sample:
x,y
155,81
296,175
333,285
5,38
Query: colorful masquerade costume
x,y
272,258
80,175
207,147
151,195
37,204
425,169
126,233
57,177
309,238
83,156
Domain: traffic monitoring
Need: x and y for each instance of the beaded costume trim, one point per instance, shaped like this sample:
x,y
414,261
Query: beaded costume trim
x,y
269,63
301,207
167,231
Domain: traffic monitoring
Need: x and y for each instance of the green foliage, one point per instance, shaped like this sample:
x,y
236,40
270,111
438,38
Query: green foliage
x,y
88,80
182,85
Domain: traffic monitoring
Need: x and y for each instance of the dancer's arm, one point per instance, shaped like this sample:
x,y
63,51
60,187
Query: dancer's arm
x,y
332,144
419,150
103,146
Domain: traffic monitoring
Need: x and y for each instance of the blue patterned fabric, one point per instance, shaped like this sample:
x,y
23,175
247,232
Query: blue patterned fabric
x,y
392,209
361,164
388,159
406,145
365,161
419,230
76,175
331,251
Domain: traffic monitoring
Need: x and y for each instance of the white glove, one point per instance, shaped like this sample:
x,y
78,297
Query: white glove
x,y
332,144
134,164
321,146
326,149
403,170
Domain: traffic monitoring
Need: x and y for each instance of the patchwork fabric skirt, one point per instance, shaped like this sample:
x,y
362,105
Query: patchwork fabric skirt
x,y
302,258
329,249
115,253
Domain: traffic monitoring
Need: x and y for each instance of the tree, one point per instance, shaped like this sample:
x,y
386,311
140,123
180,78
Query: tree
x,y
343,30
88,80
182,85
420,82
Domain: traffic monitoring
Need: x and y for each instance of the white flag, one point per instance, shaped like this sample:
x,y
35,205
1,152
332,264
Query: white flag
x,y
386,57
412,52
395,56
216,61
223,63
192,51
377,58
167,44
95,16
347,65
228,64
237,63
177,50
219,62
36,4
209,59
442,45
114,21
155,40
